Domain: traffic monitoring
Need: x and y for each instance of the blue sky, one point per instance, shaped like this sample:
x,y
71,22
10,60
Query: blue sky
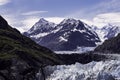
x,y
22,14
59,8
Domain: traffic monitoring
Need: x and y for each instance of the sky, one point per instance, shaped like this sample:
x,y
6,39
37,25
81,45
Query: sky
x,y
23,14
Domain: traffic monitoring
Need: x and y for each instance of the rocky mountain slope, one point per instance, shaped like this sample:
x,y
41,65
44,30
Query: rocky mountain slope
x,y
20,57
110,46
67,36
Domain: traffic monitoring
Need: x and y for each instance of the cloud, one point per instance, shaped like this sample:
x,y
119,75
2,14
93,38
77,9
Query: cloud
x,y
15,23
89,22
33,13
101,20
3,2
29,22
56,20
108,17
22,24
10,19
107,11
106,6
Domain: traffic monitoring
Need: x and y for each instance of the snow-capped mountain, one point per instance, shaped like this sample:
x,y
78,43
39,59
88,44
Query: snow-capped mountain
x,y
68,35
110,31
40,29
107,32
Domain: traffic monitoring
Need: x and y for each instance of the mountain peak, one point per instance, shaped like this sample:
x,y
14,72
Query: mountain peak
x,y
43,20
69,20
41,26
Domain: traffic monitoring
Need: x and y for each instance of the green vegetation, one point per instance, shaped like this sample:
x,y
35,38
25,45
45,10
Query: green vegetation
x,y
21,56
13,44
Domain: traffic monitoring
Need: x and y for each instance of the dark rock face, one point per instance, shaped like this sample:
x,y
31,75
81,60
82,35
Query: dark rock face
x,y
68,35
20,57
110,46
82,58
3,23
15,69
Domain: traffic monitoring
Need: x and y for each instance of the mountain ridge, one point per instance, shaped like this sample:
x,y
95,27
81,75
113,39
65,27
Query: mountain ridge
x,y
106,32
66,31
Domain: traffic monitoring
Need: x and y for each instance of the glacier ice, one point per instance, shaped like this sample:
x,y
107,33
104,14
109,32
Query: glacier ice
x,y
103,70
79,50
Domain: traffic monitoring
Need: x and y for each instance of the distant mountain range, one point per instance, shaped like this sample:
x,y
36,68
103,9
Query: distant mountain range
x,y
107,31
68,35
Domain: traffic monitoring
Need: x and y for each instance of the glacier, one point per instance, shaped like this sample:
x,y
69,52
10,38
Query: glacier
x,y
102,70
78,50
